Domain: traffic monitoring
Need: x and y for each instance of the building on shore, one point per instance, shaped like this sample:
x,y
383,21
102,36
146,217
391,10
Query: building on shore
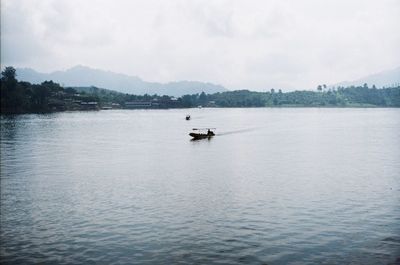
x,y
92,105
138,104
164,102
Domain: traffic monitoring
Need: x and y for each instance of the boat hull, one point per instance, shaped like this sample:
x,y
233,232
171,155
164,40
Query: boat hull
x,y
200,135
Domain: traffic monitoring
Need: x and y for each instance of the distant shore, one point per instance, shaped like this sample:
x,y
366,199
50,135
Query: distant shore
x,y
19,97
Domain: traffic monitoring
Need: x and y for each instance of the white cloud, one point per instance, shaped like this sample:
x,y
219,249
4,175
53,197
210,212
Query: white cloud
x,y
252,44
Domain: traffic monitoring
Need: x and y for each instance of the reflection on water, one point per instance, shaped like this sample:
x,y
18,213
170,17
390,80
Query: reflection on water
x,y
274,186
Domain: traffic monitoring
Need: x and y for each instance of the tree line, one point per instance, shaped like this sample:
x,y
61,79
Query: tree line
x,y
24,97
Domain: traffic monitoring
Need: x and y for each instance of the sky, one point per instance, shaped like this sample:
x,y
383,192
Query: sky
x,y
252,44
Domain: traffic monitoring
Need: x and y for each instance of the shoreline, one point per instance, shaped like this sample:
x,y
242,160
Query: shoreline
x,y
266,107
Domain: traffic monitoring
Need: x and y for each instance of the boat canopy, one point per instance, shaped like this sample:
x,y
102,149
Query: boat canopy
x,y
201,129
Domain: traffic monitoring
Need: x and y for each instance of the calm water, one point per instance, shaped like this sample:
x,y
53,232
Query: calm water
x,y
275,186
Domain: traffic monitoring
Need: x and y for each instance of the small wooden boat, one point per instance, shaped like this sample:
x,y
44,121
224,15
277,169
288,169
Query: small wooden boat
x,y
202,133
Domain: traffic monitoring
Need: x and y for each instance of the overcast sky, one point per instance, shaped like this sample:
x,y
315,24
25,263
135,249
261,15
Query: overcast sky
x,y
239,44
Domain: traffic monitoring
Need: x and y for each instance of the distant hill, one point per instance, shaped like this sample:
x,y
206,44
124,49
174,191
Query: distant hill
x,y
95,90
388,78
82,76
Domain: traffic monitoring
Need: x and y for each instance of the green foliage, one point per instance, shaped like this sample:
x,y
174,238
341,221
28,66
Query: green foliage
x,y
8,75
342,97
23,97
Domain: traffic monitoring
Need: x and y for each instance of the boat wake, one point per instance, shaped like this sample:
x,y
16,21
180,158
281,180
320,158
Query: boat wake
x,y
239,131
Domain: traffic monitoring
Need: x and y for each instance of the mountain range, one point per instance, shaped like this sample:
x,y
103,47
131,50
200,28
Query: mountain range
x,y
81,76
382,79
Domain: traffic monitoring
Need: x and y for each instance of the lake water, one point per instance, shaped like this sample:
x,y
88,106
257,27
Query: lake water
x,y
274,186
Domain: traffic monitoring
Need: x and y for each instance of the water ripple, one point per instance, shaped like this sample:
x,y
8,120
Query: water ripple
x,y
306,186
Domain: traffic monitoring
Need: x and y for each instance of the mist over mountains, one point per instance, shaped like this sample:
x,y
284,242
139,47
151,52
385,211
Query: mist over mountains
x,y
79,76
382,79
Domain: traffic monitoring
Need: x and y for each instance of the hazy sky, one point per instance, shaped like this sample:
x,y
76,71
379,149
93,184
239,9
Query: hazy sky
x,y
239,44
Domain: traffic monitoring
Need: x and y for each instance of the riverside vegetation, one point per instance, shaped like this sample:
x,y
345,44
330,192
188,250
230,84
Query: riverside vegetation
x,y
24,97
